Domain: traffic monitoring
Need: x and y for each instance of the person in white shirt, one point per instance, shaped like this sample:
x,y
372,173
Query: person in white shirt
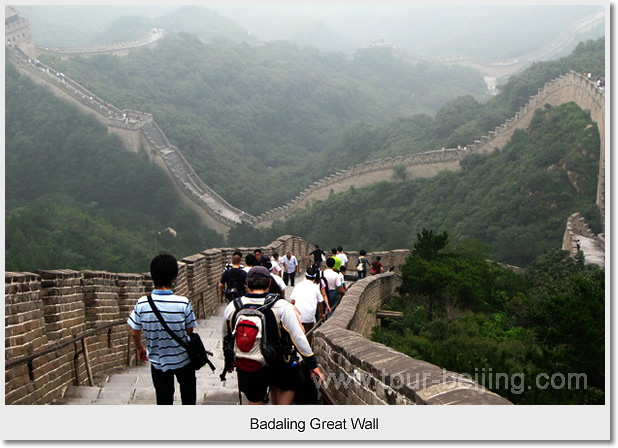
x,y
277,280
290,265
306,297
342,256
332,284
281,379
277,263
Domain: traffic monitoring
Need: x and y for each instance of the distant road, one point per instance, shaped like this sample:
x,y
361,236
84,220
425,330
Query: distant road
x,y
494,70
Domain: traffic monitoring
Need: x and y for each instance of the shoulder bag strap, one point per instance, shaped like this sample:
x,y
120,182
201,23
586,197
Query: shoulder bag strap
x,y
174,336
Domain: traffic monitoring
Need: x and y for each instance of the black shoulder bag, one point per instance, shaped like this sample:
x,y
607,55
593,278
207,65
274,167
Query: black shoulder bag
x,y
195,348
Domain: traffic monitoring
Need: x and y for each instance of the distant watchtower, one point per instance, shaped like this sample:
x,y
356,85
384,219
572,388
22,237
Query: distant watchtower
x,y
17,32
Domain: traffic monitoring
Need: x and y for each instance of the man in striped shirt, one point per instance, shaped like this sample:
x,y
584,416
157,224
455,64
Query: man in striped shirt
x,y
167,358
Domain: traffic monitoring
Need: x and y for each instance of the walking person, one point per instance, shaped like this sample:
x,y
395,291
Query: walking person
x,y
261,259
308,297
342,256
277,264
332,284
168,359
317,255
376,266
229,265
232,281
290,266
362,264
334,256
279,379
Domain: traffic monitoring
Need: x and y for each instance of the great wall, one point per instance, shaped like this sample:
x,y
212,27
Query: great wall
x,y
63,326
140,132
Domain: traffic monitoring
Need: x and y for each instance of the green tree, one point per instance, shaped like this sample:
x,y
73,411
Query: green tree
x,y
429,245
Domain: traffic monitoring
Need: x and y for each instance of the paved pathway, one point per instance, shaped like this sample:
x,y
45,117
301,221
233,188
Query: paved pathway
x,y
133,385
593,254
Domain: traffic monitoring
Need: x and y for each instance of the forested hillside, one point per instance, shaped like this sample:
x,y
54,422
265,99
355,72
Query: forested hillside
x,y
464,119
516,200
509,332
76,199
277,109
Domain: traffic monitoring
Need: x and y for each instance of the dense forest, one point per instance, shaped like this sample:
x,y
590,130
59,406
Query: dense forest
x,y
277,109
534,338
284,110
516,200
76,199
58,164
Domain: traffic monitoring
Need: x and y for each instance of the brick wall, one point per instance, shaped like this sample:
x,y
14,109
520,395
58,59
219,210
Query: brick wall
x,y
359,371
46,308
577,226
569,87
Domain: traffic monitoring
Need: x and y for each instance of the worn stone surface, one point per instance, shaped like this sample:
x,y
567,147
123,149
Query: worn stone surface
x,y
52,306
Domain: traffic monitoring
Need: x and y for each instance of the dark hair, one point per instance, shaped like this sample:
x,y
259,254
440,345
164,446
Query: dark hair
x,y
330,262
333,251
164,270
257,251
312,273
378,258
340,249
276,254
239,253
250,260
258,283
363,252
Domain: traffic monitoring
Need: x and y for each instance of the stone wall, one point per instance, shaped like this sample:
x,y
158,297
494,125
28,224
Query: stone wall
x,y
219,214
361,372
117,49
47,308
566,88
137,131
576,227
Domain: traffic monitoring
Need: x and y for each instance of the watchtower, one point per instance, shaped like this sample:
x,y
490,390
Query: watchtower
x,y
17,31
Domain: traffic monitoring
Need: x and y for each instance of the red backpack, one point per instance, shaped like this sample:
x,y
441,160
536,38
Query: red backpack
x,y
250,343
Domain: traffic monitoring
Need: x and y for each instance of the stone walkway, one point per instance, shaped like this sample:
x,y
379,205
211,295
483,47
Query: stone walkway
x,y
133,385
593,254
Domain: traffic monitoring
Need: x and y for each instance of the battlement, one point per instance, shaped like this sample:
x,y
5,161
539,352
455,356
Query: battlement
x,y
64,326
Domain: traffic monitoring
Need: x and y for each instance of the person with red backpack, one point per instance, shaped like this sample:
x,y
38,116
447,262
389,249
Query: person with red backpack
x,y
262,336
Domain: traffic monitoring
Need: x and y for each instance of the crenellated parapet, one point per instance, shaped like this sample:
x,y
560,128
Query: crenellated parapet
x,y
117,48
48,312
137,131
62,327
361,372
566,88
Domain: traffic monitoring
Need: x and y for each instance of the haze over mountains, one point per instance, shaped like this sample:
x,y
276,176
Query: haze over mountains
x,y
488,31
236,103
